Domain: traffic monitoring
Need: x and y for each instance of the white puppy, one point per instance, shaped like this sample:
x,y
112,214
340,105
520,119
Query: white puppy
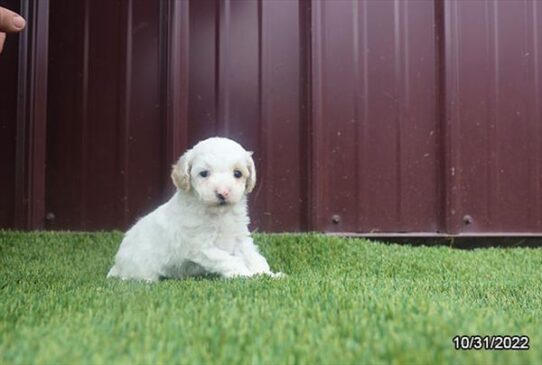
x,y
203,227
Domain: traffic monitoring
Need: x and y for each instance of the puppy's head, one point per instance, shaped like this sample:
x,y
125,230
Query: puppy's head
x,y
217,170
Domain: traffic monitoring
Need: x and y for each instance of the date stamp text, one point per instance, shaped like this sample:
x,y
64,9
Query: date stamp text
x,y
491,342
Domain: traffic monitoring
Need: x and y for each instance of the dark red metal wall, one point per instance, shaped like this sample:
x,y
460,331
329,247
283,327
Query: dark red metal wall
x,y
375,131
378,117
8,125
23,105
247,81
105,151
493,115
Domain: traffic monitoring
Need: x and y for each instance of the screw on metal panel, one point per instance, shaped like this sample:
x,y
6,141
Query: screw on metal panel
x,y
50,216
467,219
335,218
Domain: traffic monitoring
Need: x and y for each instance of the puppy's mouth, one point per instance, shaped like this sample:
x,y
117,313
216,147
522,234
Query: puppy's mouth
x,y
221,200
219,206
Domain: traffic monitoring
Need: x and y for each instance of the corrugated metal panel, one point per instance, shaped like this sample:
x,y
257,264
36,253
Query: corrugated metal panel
x,y
117,151
365,116
110,114
8,125
376,135
24,119
494,115
246,82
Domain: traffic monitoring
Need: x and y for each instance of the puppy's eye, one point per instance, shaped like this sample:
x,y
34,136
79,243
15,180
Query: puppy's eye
x,y
237,174
204,173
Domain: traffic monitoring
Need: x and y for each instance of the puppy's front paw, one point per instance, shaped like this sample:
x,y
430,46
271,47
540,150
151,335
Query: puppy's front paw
x,y
278,275
237,274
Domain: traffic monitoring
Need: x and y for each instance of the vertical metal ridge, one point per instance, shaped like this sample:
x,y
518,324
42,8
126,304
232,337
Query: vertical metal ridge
x,y
452,120
182,29
399,119
456,169
440,116
263,108
532,145
84,116
405,106
217,61
163,38
223,89
21,169
226,61
125,111
534,166
490,106
363,125
492,177
31,117
361,76
406,57
39,130
317,134
305,112
356,101
174,76
31,123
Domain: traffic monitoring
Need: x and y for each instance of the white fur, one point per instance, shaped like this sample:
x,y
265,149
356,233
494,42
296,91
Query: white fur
x,y
193,233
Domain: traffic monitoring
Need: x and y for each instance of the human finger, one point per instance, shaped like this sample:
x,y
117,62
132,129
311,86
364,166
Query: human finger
x,y
2,40
10,22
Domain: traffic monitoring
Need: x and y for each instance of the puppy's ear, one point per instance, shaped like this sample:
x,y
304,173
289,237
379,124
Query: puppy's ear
x,y
251,180
181,171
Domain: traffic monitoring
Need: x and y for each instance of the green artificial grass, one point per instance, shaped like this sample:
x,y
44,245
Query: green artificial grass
x,y
345,301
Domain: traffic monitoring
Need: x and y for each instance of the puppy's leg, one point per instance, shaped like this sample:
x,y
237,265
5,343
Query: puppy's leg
x,y
135,273
255,262
220,262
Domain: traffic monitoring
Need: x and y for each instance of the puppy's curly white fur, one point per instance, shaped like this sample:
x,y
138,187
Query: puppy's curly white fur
x,y
203,228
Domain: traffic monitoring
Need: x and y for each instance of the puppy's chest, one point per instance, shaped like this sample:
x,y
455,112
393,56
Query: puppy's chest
x,y
225,235
226,232
225,239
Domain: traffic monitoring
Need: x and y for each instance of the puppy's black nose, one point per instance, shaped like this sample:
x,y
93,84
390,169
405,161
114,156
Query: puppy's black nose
x,y
221,197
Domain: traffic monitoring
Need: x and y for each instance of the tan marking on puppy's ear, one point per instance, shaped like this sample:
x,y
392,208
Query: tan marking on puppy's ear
x,y
181,171
251,179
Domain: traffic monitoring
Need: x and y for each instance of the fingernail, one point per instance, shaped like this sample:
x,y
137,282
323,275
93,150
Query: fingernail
x,y
18,22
